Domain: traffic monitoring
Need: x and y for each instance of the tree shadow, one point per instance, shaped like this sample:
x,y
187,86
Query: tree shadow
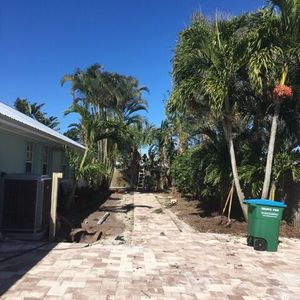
x,y
122,209
81,210
17,258
211,208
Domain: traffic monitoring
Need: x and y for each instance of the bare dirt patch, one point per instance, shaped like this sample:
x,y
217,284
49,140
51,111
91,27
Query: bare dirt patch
x,y
194,213
110,220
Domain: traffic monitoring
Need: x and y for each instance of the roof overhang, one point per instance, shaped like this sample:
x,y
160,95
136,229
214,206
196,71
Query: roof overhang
x,y
18,123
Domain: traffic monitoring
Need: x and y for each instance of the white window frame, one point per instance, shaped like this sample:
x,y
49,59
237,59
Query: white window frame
x,y
29,157
64,165
45,160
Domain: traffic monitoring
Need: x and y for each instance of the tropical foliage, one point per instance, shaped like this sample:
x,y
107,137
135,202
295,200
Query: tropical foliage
x,y
232,116
34,111
234,106
108,106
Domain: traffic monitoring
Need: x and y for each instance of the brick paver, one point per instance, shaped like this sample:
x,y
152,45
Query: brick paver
x,y
165,260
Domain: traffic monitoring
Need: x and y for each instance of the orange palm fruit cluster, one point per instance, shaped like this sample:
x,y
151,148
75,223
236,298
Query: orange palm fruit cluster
x,y
282,91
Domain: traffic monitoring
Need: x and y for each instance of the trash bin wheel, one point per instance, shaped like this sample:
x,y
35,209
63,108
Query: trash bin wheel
x,y
260,244
250,240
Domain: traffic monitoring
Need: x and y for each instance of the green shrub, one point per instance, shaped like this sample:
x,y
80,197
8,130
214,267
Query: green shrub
x,y
181,172
187,173
202,172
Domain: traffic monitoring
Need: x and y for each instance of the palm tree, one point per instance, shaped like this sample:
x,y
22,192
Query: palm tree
x,y
132,101
93,87
206,61
85,166
23,106
33,110
113,99
275,46
162,150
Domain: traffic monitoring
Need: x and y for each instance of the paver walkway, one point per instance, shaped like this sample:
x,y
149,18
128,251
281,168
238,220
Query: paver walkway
x,y
165,260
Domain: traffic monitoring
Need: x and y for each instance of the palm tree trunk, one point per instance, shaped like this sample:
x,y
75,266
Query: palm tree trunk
x,y
229,138
99,150
83,158
182,140
71,196
228,134
270,156
105,151
110,163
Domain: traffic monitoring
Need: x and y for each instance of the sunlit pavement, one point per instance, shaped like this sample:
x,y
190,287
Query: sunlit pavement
x,y
166,259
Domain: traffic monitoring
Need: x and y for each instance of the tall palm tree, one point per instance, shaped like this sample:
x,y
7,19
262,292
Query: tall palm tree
x,y
132,102
93,87
113,99
275,46
206,61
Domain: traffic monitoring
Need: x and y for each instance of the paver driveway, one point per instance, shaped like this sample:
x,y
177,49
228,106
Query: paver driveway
x,y
165,260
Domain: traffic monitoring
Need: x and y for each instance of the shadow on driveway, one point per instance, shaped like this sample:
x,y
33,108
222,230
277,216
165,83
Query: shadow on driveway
x,y
122,209
17,258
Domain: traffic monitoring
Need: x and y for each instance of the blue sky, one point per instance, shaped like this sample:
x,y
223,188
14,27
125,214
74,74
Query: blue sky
x,y
41,40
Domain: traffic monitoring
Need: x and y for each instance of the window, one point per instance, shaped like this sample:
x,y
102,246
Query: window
x,y
29,156
64,165
45,155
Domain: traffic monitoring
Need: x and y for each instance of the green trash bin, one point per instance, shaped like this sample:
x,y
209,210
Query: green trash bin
x,y
264,218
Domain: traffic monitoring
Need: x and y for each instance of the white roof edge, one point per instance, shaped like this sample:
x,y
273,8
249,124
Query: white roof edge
x,y
16,118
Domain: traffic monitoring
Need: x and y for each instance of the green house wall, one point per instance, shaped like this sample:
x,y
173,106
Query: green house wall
x,y
13,154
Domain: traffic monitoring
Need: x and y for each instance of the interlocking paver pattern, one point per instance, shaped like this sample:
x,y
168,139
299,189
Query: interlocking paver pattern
x,y
163,261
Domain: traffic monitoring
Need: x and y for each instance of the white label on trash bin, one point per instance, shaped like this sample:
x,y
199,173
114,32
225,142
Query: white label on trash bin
x,y
269,212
